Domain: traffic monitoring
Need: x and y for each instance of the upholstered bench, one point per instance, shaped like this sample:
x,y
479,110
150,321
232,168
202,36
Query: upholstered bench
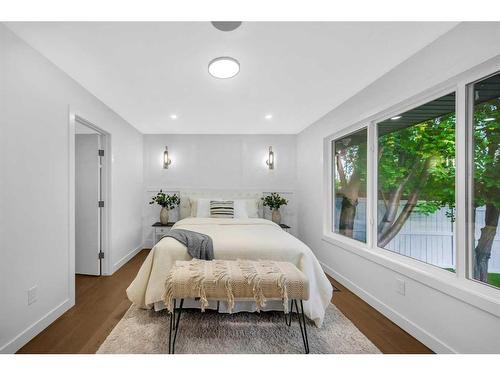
x,y
236,280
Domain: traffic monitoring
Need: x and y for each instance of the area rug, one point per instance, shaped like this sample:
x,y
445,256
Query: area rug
x,y
145,332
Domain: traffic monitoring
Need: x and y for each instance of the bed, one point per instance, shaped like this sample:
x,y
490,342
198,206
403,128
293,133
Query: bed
x,y
240,238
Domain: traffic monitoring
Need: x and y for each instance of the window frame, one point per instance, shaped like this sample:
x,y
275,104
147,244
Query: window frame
x,y
458,285
469,186
333,169
374,202
329,188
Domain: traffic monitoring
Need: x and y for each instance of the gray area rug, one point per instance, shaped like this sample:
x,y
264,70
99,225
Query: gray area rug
x,y
146,331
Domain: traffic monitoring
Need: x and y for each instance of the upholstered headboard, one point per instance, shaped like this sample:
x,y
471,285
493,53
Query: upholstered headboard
x,y
185,207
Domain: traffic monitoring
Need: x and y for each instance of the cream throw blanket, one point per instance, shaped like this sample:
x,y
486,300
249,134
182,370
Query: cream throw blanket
x,y
233,239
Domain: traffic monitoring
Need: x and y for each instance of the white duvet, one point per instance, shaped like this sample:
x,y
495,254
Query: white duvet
x,y
233,239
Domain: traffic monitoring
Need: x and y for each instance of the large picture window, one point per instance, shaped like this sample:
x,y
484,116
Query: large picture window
x,y
485,123
416,183
349,190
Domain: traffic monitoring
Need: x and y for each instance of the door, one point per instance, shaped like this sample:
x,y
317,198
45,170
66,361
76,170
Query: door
x,y
87,211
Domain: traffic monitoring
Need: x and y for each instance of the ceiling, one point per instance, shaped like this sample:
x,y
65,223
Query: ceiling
x,y
296,71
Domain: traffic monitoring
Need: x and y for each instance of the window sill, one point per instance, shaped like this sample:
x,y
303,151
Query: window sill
x,y
478,295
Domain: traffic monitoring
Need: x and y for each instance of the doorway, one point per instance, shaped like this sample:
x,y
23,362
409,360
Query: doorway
x,y
90,204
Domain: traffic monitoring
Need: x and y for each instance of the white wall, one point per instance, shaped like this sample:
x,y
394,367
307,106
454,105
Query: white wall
x,y
35,97
219,162
441,321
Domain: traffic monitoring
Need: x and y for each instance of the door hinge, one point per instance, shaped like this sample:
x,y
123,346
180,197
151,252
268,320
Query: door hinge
x,y
100,204
101,255
101,152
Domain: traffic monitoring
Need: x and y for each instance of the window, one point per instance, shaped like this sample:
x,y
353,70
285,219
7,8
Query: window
x,y
349,191
416,183
484,125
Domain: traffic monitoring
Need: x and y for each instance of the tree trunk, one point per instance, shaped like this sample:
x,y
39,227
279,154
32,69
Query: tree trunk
x,y
347,214
390,233
482,252
389,229
350,194
391,209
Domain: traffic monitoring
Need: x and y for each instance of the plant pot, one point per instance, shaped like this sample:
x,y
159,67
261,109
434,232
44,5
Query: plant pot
x,y
164,215
276,217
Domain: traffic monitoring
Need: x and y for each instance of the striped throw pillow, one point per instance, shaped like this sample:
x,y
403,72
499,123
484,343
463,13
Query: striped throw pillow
x,y
223,209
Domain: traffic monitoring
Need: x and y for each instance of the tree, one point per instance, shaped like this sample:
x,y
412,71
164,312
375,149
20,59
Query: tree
x,y
416,165
486,180
350,170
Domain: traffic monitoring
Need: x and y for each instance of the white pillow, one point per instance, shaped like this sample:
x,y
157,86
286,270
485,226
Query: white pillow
x,y
201,207
252,207
240,209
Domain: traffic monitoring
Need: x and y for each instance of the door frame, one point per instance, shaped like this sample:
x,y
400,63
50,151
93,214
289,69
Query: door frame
x,y
75,116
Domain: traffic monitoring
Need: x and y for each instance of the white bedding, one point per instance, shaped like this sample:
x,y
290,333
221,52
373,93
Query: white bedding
x,y
233,239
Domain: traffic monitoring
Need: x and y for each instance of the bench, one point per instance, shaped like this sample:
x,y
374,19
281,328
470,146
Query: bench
x,y
232,281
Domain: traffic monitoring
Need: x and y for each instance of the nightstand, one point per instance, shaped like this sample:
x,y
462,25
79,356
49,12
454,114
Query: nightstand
x,y
285,227
159,230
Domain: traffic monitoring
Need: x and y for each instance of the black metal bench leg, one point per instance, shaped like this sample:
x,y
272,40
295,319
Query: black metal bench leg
x,y
302,321
305,326
177,325
288,317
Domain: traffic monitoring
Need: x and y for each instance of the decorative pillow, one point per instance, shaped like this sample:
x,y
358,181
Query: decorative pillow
x,y
221,209
240,209
252,207
193,204
201,207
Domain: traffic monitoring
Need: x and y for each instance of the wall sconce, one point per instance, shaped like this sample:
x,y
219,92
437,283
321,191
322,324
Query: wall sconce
x,y
270,159
166,159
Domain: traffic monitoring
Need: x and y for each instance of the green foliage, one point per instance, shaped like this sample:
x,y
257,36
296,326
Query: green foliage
x,y
354,167
274,201
425,149
487,153
166,200
428,149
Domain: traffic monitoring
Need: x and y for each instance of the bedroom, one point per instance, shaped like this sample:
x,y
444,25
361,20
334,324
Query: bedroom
x,y
340,190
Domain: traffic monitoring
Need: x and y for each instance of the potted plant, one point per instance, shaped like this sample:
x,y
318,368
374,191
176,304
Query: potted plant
x,y
274,202
167,202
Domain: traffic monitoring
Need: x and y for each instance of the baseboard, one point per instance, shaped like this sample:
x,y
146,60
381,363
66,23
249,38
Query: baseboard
x,y
25,336
413,329
148,244
126,258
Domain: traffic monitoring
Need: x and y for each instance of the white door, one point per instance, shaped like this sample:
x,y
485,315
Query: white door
x,y
87,195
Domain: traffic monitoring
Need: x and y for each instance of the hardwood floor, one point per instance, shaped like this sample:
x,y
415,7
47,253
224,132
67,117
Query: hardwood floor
x,y
387,336
101,302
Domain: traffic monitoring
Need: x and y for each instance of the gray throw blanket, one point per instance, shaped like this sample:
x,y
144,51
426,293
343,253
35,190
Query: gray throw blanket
x,y
198,245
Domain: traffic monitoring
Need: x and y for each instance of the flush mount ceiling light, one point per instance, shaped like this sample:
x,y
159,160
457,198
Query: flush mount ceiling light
x,y
224,67
173,116
396,117
268,117
226,25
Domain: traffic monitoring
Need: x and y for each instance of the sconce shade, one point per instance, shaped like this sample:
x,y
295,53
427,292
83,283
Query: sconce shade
x,y
166,159
270,160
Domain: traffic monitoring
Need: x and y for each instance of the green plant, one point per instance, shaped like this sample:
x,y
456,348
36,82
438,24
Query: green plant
x,y
274,201
166,200
416,165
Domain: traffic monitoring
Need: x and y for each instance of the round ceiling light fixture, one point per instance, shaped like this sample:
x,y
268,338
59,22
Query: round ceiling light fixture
x,y
226,25
224,67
